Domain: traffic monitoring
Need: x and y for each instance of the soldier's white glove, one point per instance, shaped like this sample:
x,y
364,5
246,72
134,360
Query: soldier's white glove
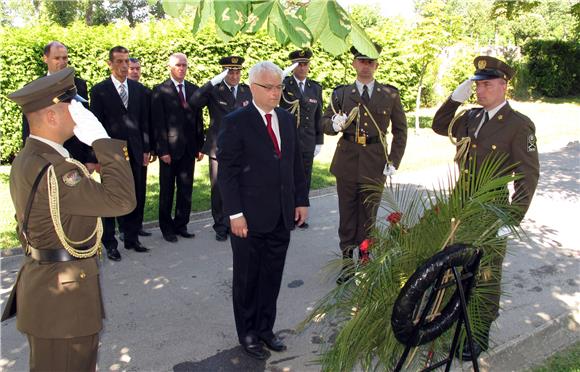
x,y
219,78
338,121
462,92
389,170
288,70
317,150
503,231
88,128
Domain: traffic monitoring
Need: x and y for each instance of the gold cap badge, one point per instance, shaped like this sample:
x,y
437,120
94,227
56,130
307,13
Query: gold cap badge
x,y
481,64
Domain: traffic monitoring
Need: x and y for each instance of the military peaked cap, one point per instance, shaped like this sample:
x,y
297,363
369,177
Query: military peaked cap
x,y
47,91
232,62
488,68
303,55
359,55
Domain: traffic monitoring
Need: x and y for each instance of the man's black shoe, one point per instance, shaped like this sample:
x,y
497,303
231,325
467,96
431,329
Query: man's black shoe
x,y
170,238
137,246
274,344
113,254
221,236
185,234
469,355
143,233
305,225
255,350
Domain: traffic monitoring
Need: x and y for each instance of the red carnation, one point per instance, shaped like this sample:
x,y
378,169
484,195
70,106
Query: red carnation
x,y
395,217
365,245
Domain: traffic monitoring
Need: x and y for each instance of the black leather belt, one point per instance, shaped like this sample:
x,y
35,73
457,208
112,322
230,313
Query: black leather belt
x,y
51,255
368,140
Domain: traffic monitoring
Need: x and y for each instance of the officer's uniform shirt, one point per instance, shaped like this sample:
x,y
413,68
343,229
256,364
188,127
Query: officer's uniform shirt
x,y
490,114
360,87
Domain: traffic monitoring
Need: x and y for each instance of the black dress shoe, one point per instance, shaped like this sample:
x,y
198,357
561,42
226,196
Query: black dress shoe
x,y
185,234
113,254
255,350
305,225
469,355
170,238
137,246
143,233
221,236
274,344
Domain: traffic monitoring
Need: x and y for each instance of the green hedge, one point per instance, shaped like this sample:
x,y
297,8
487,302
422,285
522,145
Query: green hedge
x,y
553,67
152,43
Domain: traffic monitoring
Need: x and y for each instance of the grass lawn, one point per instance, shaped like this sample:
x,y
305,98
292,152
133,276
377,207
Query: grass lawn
x,y
567,360
555,119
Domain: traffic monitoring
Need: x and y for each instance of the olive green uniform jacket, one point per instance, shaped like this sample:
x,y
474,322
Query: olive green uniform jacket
x,y
63,299
508,132
365,164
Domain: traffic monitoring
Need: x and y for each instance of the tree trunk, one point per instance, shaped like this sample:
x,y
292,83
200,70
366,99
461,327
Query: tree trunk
x,y
418,101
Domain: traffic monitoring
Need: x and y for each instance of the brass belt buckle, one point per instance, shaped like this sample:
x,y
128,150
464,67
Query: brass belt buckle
x,y
361,140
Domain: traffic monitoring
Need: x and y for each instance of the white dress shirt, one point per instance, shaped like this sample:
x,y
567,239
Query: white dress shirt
x,y
370,86
118,85
491,113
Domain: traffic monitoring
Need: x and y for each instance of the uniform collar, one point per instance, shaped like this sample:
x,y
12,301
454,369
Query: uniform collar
x,y
359,86
494,110
57,146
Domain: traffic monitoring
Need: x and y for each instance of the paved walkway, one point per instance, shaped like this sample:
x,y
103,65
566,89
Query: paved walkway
x,y
170,309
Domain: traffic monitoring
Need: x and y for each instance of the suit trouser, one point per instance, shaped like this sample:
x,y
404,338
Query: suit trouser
x,y
63,354
258,266
357,209
175,179
307,160
142,197
130,223
217,207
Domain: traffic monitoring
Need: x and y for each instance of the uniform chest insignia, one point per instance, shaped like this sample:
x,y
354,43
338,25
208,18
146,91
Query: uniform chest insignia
x,y
499,117
245,103
290,93
72,178
223,103
532,147
312,100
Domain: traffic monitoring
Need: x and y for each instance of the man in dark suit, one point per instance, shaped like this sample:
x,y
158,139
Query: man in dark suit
x,y
222,95
263,188
135,75
303,98
55,55
179,137
121,105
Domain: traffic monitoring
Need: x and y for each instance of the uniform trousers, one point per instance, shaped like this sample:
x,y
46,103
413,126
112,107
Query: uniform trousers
x,y
357,207
175,179
63,354
258,262
217,208
142,197
307,160
130,223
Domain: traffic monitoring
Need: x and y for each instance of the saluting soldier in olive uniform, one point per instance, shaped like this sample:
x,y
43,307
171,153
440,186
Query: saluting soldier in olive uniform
x,y
222,94
303,98
57,296
493,128
362,112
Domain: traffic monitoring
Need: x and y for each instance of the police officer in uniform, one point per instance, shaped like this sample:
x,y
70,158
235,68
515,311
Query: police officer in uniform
x,y
493,128
303,98
222,94
57,297
361,113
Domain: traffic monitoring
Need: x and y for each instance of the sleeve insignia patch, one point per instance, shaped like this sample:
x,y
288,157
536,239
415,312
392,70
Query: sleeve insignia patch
x,y
72,178
532,143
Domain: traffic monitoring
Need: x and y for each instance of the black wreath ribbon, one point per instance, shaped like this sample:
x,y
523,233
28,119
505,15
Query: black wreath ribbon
x,y
410,296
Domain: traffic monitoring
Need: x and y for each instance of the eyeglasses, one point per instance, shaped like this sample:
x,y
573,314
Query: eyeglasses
x,y
271,87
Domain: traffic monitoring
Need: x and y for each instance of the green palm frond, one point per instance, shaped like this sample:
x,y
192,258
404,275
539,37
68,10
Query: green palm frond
x,y
354,318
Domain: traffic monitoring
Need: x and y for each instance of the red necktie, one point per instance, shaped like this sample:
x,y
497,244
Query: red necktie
x,y
181,96
272,134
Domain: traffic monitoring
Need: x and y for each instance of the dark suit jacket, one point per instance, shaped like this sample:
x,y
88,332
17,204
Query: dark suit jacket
x,y
310,126
252,179
177,129
129,124
76,148
220,102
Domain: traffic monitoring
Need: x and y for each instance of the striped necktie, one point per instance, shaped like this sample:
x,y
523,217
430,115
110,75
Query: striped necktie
x,y
123,95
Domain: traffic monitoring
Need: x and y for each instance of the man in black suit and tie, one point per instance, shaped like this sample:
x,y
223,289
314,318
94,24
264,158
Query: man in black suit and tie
x,y
55,55
222,95
264,193
121,106
179,136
